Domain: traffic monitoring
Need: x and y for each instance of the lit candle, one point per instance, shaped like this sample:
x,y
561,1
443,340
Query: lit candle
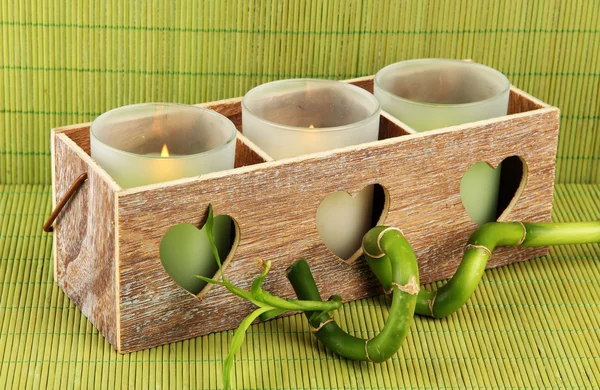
x,y
156,142
151,143
289,118
429,94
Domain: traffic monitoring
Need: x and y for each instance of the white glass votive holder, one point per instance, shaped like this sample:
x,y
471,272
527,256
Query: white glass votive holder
x,y
150,143
288,118
429,94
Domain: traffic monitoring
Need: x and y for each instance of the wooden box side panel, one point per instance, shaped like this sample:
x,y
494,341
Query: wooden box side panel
x,y
520,101
275,206
85,238
79,134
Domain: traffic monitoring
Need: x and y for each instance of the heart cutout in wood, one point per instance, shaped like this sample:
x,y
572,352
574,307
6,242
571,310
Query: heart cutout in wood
x,y
185,252
343,219
487,193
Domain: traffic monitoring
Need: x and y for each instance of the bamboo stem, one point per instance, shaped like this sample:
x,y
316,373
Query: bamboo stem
x,y
393,262
391,252
455,293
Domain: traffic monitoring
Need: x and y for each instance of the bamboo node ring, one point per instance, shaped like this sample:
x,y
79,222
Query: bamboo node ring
x,y
379,256
412,287
322,324
431,302
484,248
367,350
524,234
380,236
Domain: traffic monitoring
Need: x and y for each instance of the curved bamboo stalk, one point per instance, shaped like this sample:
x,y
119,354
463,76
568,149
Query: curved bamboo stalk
x,y
395,265
455,293
393,262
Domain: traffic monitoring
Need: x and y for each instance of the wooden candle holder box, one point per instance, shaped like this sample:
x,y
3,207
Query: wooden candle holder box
x,y
106,239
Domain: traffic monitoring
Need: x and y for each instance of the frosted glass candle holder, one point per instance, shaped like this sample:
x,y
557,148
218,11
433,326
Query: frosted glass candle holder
x,y
289,118
150,143
429,94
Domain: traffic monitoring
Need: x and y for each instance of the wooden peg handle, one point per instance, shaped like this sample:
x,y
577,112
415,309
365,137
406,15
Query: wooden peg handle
x,y
72,190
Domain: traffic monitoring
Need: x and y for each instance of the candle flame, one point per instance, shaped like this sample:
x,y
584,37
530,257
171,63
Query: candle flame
x,y
311,127
165,151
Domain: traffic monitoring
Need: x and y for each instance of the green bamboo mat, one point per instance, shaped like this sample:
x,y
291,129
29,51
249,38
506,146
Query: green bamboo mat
x,y
529,325
64,62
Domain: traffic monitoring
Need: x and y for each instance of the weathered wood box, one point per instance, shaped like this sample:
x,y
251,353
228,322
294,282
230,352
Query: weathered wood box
x,y
106,240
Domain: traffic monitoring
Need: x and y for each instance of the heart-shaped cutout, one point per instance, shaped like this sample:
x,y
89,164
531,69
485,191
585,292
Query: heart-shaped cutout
x,y
185,252
343,219
487,193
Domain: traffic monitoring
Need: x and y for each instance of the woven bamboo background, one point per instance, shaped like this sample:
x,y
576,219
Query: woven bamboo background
x,y
529,325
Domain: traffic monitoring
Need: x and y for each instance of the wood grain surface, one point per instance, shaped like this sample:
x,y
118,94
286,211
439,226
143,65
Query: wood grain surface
x,y
85,238
274,204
